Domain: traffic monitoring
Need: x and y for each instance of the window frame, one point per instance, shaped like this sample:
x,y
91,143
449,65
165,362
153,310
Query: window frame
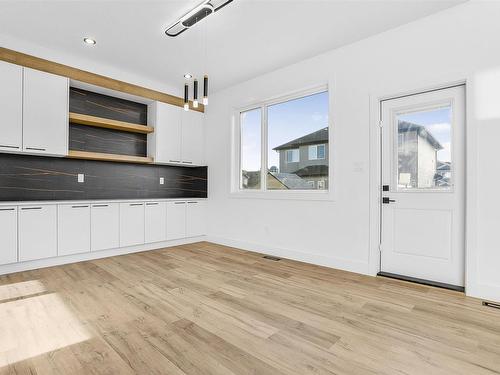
x,y
316,147
235,188
291,150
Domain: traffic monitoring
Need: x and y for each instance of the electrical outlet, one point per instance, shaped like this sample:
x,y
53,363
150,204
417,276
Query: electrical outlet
x,y
81,177
162,180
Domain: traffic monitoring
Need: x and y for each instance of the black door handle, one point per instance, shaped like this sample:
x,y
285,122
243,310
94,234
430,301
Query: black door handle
x,y
387,200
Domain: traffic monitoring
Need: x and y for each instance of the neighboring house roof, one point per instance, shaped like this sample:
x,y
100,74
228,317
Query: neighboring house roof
x,y
404,126
443,166
292,181
313,171
319,136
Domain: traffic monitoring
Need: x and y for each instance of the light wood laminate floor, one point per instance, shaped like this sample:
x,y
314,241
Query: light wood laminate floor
x,y
209,309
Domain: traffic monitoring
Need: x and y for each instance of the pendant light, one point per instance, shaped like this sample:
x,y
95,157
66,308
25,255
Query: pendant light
x,y
205,90
186,97
195,93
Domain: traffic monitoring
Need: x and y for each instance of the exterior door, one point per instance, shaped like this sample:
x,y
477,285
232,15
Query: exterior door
x,y
423,186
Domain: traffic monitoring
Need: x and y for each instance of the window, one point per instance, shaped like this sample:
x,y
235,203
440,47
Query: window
x,y
292,154
250,134
316,152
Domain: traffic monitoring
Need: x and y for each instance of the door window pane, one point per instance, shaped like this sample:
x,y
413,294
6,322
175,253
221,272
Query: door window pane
x,y
250,157
424,149
294,128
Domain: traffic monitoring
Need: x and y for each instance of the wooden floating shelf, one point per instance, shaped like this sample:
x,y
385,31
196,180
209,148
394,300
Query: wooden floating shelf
x,y
74,154
100,122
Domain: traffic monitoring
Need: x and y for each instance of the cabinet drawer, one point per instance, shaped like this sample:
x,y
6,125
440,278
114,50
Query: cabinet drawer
x,y
8,235
131,224
105,226
176,220
37,232
155,223
73,229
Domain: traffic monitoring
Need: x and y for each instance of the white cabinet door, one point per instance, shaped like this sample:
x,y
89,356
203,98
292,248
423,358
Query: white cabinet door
x,y
192,138
105,226
131,224
164,144
37,232
45,113
73,229
11,107
8,235
176,220
155,223
195,218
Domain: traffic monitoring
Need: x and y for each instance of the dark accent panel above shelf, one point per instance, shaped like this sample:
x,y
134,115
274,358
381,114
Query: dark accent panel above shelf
x,y
91,103
40,178
88,138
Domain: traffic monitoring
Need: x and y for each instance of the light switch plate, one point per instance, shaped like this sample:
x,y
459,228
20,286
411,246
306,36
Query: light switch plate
x,y
81,177
162,180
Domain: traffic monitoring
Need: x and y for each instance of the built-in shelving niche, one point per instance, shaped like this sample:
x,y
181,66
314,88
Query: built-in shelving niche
x,y
106,128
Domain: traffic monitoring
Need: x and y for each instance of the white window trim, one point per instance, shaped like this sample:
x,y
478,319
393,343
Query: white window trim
x,y
316,146
262,193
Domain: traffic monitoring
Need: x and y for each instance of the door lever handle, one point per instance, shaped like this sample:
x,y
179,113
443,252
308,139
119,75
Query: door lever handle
x,y
387,200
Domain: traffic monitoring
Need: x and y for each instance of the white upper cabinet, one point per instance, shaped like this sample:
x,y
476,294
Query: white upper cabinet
x,y
105,226
45,113
37,232
131,224
155,222
192,138
73,229
178,136
11,107
8,237
164,144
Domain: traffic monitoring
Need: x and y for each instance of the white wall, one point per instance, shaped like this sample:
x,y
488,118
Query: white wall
x,y
90,64
458,44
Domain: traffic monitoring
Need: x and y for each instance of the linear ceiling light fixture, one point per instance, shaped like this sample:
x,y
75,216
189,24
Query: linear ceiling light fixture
x,y
195,15
190,19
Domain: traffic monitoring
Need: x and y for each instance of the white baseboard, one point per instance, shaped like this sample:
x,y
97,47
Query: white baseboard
x,y
484,291
56,261
320,260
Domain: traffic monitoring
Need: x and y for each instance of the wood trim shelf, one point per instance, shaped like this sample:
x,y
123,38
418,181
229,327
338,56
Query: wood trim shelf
x,y
74,154
48,66
101,122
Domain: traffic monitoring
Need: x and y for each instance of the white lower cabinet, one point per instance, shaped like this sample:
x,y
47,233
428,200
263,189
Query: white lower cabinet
x,y
73,229
8,238
131,224
105,226
176,220
155,221
37,232
48,230
195,218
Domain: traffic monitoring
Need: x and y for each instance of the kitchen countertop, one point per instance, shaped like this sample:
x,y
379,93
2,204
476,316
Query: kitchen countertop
x,y
91,201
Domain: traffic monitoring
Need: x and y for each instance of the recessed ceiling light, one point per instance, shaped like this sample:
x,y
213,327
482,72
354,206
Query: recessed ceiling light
x,y
188,76
89,41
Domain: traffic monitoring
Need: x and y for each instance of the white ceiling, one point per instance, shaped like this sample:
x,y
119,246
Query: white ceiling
x,y
245,39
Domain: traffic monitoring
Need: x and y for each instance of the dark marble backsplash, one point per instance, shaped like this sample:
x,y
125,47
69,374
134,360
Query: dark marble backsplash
x,y
91,103
36,178
88,138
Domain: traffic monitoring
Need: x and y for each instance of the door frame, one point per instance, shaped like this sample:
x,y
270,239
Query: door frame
x,y
375,168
